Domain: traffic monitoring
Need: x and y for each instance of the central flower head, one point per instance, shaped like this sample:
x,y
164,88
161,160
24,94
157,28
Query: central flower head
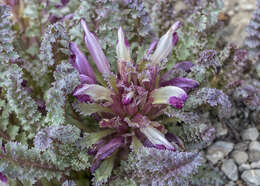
x,y
129,102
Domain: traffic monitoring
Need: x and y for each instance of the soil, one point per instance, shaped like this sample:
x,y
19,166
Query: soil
x,y
240,12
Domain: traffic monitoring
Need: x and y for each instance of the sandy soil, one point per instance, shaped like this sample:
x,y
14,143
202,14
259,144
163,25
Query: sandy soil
x,y
240,12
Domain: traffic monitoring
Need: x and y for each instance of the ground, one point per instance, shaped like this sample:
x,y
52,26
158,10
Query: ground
x,y
240,12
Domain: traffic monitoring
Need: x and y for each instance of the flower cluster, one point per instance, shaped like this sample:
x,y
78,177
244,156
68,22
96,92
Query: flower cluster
x,y
130,102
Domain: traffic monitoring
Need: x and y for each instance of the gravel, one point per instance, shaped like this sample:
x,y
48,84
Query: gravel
x,y
255,164
218,151
240,157
244,166
251,176
254,151
250,134
230,169
254,146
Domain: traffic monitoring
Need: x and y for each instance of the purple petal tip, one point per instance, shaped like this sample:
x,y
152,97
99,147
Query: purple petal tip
x,y
175,38
3,178
178,102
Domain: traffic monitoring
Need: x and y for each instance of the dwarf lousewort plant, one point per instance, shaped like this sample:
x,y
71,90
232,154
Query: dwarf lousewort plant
x,y
83,102
130,102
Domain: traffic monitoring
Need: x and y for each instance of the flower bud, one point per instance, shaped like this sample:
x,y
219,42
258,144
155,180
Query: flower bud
x,y
165,44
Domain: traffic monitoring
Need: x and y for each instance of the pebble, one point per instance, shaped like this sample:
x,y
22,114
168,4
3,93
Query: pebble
x,y
244,166
250,134
218,151
240,157
254,156
254,151
221,130
247,7
251,176
255,165
230,169
254,146
242,146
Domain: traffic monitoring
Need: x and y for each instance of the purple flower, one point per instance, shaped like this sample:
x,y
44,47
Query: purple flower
x,y
3,178
131,100
80,62
184,83
95,50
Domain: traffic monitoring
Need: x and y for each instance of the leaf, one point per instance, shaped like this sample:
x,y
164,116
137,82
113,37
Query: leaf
x,y
92,138
103,173
161,167
7,51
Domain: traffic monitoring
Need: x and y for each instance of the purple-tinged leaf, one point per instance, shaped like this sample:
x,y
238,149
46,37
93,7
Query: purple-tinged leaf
x,y
95,50
150,166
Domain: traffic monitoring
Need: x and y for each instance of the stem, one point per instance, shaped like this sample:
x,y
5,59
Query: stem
x,y
4,136
27,163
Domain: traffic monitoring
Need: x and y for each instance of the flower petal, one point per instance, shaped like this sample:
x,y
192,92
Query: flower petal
x,y
172,95
184,83
86,79
106,151
80,62
95,50
165,44
82,98
152,47
172,138
122,47
157,138
96,92
3,178
185,65
127,98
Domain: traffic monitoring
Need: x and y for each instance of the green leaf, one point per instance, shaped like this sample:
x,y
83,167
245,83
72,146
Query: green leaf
x,y
88,109
13,131
92,138
104,171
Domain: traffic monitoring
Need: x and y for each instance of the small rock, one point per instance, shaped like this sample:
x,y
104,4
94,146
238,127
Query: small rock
x,y
242,146
240,157
250,134
230,169
244,166
247,7
218,151
255,164
254,151
221,130
254,146
251,176
254,156
231,12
